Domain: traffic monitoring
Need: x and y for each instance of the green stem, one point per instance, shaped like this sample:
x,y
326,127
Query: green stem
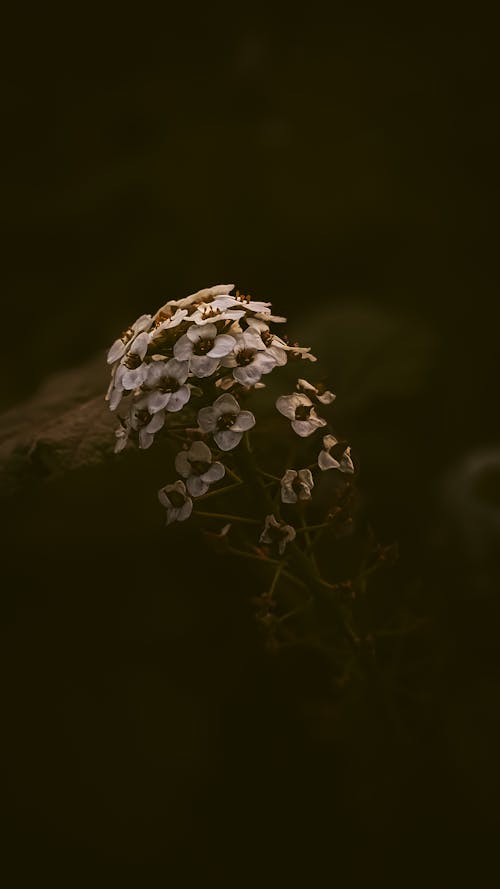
x,y
220,491
227,517
308,528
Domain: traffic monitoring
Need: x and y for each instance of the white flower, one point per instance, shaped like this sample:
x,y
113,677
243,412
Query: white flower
x,y
165,319
145,422
296,485
196,466
130,372
176,501
240,300
226,421
166,380
122,435
326,461
209,313
275,346
300,410
249,359
203,347
199,297
123,343
276,532
319,393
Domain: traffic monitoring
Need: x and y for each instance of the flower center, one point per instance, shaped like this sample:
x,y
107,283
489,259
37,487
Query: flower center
x,y
225,421
302,411
176,499
162,316
143,417
245,357
199,466
203,346
169,384
132,361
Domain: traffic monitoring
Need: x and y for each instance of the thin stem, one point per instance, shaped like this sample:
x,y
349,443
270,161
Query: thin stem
x,y
232,473
273,478
227,517
309,545
220,491
274,582
241,553
307,528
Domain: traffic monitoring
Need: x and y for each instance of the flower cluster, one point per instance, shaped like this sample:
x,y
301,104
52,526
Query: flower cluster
x,y
197,359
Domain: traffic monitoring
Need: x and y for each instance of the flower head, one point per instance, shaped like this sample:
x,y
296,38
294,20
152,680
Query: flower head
x,y
319,393
226,421
196,466
277,533
296,485
250,358
176,501
326,461
300,410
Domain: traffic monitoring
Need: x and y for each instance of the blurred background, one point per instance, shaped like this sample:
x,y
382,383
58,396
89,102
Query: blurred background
x,y
344,166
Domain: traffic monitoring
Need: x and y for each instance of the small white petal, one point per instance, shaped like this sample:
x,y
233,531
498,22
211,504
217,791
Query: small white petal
x,y
326,397
226,404
140,345
199,452
196,486
326,461
116,351
156,422
287,404
178,399
203,366
307,427
185,511
222,346
157,401
145,439
245,420
226,439
182,464
207,332
183,349
215,473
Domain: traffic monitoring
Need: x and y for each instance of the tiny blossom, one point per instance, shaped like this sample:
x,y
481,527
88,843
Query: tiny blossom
x,y
326,461
226,421
319,393
166,385
196,466
201,296
275,346
145,422
203,347
122,435
123,343
296,485
300,410
250,358
164,321
176,501
277,532
130,372
210,313
239,300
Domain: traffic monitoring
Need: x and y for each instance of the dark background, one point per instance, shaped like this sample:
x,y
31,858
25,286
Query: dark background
x,y
345,167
